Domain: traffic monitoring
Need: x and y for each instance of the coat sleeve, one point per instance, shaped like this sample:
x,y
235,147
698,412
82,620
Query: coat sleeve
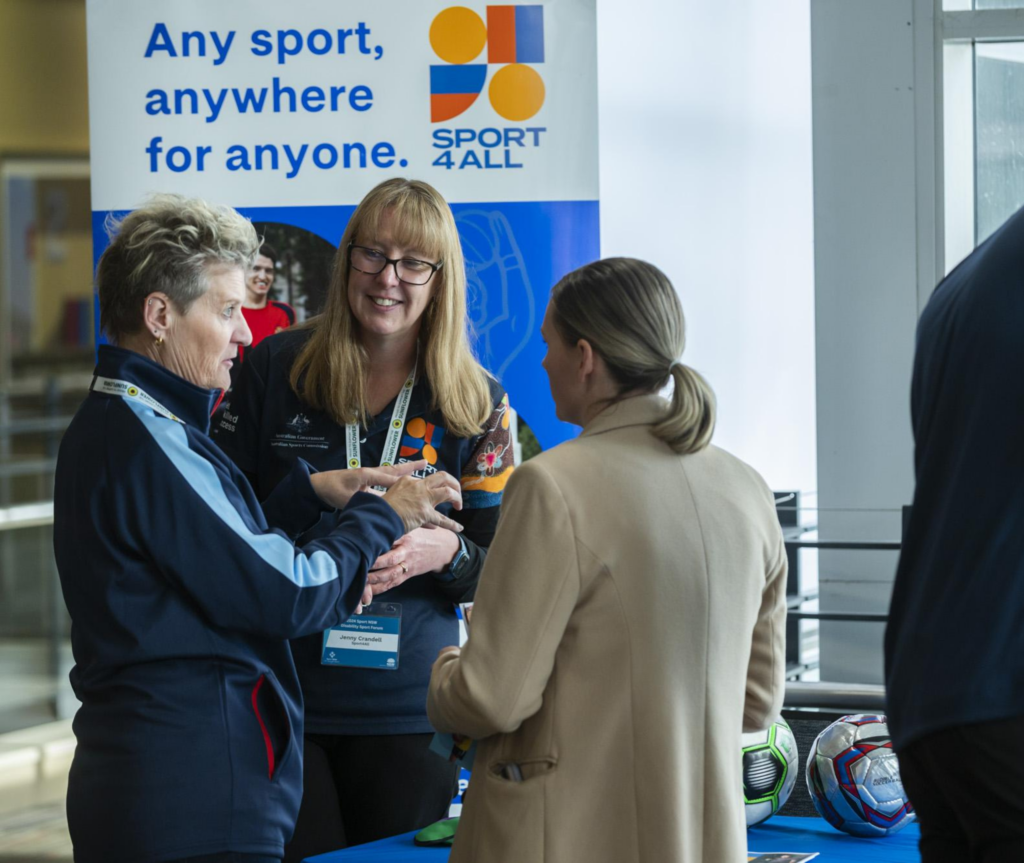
x,y
528,590
210,540
293,506
484,475
766,673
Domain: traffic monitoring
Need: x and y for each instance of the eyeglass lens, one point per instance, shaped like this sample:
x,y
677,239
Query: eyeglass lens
x,y
409,270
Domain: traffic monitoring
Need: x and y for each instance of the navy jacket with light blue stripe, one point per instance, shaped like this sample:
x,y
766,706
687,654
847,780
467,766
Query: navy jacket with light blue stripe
x,y
182,598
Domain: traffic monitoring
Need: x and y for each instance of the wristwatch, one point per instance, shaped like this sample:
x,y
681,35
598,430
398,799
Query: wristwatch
x,y
457,568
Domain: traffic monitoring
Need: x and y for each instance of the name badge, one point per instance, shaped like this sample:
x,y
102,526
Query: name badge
x,y
367,640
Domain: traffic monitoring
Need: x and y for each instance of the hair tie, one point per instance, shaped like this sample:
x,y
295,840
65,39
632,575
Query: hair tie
x,y
673,365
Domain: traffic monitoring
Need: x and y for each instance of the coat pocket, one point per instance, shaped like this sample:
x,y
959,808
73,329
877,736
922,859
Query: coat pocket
x,y
509,815
521,771
272,717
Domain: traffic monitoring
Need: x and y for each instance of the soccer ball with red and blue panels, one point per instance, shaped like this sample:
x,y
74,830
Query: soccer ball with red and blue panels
x,y
854,778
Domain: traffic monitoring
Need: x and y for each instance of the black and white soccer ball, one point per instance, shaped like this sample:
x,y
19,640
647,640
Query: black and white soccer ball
x,y
769,770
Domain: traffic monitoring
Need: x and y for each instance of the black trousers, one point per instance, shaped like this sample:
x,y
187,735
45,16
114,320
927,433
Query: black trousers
x,y
358,789
966,785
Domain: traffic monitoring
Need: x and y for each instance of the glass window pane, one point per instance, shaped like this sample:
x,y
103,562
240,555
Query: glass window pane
x,y
995,4
958,150
35,648
999,134
46,317
46,361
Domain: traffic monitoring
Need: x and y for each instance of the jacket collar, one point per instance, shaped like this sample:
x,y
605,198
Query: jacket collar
x,y
642,410
191,403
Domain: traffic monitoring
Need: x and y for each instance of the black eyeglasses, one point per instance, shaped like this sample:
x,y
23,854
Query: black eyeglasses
x,y
409,270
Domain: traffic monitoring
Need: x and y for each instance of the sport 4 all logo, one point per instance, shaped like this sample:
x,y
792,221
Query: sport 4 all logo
x,y
513,37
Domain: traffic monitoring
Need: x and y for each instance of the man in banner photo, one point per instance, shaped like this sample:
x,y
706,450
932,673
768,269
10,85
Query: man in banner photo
x,y
264,315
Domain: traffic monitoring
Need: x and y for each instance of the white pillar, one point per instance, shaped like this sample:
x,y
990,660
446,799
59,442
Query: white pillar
x,y
874,119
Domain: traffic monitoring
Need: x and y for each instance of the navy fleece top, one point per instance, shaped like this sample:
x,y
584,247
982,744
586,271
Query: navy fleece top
x,y
183,591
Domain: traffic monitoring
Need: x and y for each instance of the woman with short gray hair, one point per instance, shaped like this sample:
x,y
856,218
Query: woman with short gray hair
x,y
182,588
169,246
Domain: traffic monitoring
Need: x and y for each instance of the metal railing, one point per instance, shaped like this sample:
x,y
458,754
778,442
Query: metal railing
x,y
26,515
847,697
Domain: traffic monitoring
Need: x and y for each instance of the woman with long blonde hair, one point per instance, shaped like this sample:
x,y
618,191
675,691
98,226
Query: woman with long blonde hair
x,y
385,375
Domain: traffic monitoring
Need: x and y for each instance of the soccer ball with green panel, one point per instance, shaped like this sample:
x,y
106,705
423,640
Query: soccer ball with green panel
x,y
769,770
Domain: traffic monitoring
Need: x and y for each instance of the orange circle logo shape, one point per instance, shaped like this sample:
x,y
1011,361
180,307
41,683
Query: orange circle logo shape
x,y
417,427
516,92
458,35
430,454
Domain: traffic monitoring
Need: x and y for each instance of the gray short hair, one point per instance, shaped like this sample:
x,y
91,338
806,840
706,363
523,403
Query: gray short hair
x,y
167,245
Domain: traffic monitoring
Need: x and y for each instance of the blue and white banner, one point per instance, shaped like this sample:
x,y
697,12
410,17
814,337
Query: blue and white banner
x,y
291,112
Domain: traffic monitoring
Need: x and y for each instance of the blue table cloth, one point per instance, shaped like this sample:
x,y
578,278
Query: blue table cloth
x,y
814,834
397,849
778,834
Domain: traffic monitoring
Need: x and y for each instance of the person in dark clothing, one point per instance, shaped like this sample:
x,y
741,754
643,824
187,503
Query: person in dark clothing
x,y
384,375
954,645
182,588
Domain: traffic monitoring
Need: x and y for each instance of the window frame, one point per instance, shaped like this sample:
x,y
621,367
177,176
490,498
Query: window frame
x,y
946,129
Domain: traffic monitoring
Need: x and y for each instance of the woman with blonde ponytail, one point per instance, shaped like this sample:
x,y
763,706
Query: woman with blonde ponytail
x,y
630,620
691,417
385,375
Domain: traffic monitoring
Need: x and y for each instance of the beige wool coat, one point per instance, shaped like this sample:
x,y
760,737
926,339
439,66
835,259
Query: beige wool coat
x,y
629,624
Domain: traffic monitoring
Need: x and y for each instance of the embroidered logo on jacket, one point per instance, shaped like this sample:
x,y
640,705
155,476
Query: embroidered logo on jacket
x,y
421,440
299,424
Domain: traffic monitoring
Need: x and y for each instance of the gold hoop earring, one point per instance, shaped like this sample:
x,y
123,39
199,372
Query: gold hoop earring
x,y
159,340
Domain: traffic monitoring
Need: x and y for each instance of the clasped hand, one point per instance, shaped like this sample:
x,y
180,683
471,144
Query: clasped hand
x,y
416,553
415,502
